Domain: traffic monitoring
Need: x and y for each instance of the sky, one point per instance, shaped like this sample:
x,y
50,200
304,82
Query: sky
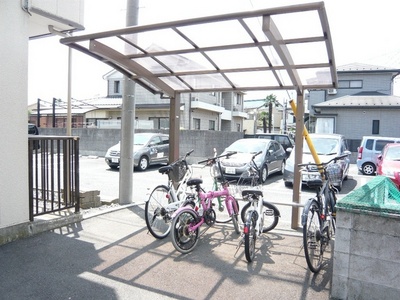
x,y
362,31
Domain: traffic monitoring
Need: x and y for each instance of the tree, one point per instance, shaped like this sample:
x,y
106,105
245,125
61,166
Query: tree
x,y
270,100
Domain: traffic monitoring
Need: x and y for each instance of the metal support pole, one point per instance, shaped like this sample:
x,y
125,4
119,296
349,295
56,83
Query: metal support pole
x,y
174,121
298,157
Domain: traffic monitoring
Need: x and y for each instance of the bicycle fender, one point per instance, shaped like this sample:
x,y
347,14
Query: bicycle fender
x,y
249,216
180,209
306,208
274,207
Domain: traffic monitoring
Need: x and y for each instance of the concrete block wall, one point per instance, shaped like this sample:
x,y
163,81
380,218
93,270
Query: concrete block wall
x,y
367,256
94,141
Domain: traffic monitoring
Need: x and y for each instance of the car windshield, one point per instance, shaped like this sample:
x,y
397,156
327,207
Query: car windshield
x,y
141,139
393,153
323,146
247,146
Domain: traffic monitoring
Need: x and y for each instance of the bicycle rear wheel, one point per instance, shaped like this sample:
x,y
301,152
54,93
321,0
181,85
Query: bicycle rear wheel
x,y
158,219
312,238
184,240
270,212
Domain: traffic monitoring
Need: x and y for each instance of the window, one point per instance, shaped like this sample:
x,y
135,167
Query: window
x,y
211,125
196,124
350,84
117,87
379,144
160,123
375,126
325,125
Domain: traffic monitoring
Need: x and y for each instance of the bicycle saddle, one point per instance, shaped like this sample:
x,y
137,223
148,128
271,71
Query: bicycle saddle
x,y
194,181
165,169
252,192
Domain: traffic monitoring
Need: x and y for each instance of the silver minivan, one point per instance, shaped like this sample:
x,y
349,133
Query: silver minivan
x,y
370,148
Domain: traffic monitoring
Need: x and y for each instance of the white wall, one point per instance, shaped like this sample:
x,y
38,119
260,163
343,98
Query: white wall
x,y
13,105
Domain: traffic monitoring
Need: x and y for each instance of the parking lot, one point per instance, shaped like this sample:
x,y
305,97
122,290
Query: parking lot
x,y
96,175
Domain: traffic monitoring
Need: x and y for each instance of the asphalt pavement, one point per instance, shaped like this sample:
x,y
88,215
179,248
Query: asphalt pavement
x,y
111,255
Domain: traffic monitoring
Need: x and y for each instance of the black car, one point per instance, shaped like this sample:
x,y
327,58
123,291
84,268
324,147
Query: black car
x,y
271,160
285,140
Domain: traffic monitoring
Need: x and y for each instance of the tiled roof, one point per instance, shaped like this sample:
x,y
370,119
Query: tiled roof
x,y
362,67
362,101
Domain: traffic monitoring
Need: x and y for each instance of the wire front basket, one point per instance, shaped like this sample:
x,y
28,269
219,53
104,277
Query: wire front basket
x,y
179,169
334,172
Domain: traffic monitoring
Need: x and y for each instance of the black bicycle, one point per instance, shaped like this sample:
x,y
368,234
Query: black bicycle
x,y
319,214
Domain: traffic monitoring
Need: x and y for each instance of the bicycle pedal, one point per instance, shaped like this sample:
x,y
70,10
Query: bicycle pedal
x,y
312,245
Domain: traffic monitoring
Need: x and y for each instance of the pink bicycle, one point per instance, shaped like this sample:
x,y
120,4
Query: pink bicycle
x,y
186,221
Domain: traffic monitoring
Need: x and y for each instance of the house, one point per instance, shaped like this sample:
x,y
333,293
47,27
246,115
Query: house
x,y
29,19
363,104
220,111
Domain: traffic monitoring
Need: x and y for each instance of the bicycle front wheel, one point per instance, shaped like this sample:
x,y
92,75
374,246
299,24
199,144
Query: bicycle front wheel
x,y
312,238
222,215
158,219
183,239
234,216
250,237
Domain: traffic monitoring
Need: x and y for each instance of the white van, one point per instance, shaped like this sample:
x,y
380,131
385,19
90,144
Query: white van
x,y
370,148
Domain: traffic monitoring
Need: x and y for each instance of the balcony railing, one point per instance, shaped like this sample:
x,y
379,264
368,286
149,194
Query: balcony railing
x,y
53,174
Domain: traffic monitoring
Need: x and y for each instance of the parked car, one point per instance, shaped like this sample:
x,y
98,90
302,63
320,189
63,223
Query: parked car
x,y
271,160
148,149
389,163
327,147
368,151
285,140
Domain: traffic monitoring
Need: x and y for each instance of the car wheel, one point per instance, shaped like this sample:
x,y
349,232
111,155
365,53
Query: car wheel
x,y
288,184
263,174
114,167
143,163
368,169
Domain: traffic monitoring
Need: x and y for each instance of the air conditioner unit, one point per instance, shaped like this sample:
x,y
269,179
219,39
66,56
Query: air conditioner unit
x,y
332,91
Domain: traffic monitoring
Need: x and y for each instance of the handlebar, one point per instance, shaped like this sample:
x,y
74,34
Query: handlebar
x,y
213,159
323,164
254,156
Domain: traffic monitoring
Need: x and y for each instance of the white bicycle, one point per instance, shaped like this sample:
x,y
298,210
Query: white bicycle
x,y
164,200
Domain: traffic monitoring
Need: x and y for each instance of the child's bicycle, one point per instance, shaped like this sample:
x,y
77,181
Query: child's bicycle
x,y
186,221
319,216
259,216
165,199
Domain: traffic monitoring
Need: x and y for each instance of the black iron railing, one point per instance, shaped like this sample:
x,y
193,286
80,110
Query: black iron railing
x,y
53,174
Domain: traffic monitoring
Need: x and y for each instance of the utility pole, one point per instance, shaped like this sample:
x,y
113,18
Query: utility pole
x,y
38,113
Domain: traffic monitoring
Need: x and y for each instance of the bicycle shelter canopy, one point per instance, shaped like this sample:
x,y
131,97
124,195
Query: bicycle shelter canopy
x,y
283,48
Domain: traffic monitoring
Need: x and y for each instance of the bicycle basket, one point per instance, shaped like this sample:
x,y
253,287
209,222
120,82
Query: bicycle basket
x,y
179,169
334,172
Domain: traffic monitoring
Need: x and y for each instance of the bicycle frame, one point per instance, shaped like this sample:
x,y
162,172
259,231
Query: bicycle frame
x,y
206,197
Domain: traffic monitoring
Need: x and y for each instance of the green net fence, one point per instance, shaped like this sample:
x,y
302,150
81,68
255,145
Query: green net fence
x,y
378,195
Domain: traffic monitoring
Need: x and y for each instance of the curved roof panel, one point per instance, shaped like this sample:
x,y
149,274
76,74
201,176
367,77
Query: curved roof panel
x,y
284,48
